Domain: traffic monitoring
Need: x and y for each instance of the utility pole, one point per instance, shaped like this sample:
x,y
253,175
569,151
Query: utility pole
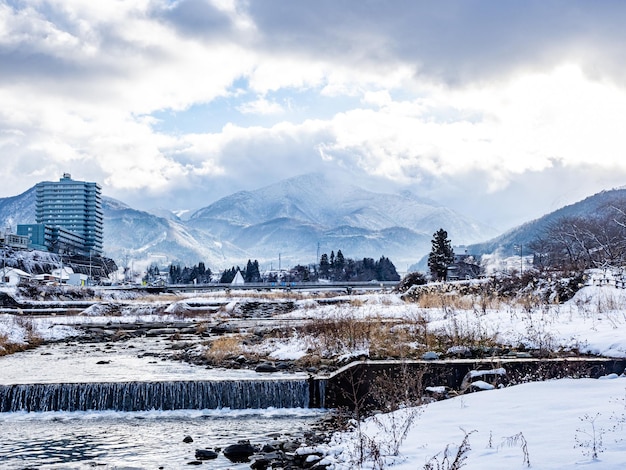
x,y
4,263
521,258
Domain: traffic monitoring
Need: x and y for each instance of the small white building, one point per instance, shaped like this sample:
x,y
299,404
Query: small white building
x,y
238,280
13,276
77,279
61,275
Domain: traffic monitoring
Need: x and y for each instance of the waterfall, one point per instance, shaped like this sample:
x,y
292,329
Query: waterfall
x,y
143,396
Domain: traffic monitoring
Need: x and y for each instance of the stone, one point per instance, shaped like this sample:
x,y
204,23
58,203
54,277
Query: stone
x,y
265,367
267,448
239,452
206,454
261,464
188,439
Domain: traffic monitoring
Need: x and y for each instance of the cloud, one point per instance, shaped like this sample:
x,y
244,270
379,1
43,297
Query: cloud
x,y
261,106
196,17
460,96
453,42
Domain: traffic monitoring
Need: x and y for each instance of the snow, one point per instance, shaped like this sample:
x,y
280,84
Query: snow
x,y
482,385
481,373
292,350
553,418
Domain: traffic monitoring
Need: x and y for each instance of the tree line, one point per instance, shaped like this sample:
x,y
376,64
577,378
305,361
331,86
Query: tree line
x,y
331,267
338,268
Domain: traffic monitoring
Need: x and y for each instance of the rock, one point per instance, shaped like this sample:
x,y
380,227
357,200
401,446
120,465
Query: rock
x,y
261,463
206,454
267,448
187,439
265,367
239,452
291,446
194,462
430,356
103,362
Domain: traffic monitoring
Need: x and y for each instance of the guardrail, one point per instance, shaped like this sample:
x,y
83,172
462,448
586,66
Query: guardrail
x,y
368,285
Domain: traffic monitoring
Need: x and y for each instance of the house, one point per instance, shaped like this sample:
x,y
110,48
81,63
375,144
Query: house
x,y
61,275
463,267
13,276
13,240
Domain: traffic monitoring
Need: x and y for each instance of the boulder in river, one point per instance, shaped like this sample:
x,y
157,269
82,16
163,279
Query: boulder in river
x,y
206,454
240,452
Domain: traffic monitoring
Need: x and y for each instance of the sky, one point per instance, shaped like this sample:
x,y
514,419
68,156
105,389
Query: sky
x,y
503,111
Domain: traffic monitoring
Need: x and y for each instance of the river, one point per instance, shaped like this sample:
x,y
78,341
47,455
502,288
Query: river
x,y
109,439
139,440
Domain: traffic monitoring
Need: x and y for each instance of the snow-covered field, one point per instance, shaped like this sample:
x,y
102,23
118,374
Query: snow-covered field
x,y
558,424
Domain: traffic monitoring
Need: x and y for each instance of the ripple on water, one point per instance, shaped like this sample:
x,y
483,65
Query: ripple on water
x,y
115,440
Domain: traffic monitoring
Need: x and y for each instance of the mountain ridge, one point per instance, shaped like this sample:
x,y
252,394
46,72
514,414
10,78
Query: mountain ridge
x,y
525,233
294,220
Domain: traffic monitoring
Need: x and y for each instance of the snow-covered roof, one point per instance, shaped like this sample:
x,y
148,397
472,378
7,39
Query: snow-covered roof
x,y
238,280
18,272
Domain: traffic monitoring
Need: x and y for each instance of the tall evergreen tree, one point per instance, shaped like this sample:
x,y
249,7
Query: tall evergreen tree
x,y
386,270
252,273
228,275
441,255
338,267
324,266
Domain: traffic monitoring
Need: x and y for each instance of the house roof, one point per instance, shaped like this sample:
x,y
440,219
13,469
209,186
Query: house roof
x,y
19,272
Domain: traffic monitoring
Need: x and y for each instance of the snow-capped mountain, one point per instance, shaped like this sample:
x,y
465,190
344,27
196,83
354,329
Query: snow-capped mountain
x,y
293,221
302,216
17,209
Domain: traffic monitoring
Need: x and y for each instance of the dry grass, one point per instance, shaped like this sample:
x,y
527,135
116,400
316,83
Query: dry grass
x,y
381,338
223,348
453,301
7,347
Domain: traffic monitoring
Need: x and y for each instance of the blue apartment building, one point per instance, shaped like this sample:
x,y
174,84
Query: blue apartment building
x,y
69,217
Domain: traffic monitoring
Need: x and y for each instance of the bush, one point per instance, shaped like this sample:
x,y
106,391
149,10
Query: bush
x,y
411,279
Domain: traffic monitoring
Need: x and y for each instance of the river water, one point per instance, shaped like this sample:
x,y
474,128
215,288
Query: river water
x,y
138,440
132,439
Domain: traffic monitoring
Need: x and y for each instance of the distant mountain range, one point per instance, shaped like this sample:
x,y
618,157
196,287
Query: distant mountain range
x,y
506,243
290,222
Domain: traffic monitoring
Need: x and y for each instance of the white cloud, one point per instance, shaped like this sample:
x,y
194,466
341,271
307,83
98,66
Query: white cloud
x,y
261,106
82,83
502,129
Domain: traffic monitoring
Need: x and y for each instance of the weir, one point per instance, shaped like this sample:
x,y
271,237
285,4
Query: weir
x,y
144,396
343,388
351,386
